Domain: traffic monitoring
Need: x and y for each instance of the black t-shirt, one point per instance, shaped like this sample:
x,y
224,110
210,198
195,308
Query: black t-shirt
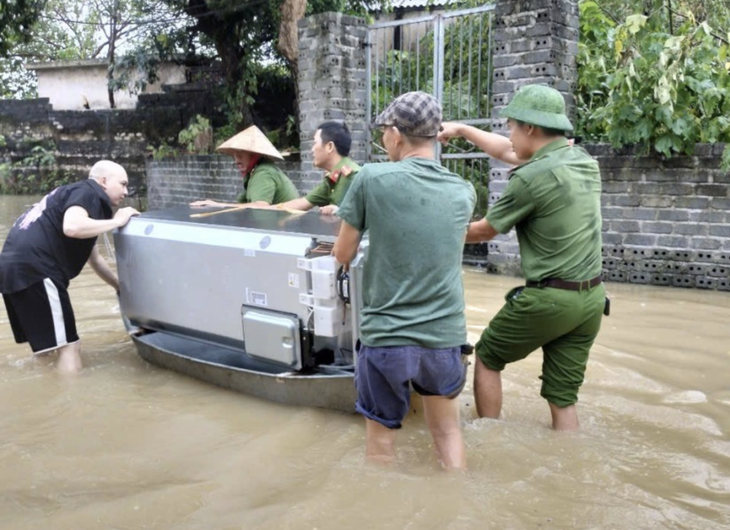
x,y
36,247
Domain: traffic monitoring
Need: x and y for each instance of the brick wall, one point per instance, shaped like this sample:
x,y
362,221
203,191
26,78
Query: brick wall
x,y
666,222
181,180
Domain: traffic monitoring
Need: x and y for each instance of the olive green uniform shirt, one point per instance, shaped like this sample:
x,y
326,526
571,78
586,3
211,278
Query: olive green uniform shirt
x,y
268,183
554,202
416,213
332,190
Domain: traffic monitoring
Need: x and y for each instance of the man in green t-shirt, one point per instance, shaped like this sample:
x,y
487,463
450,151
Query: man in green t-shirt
x,y
554,201
264,183
330,152
412,327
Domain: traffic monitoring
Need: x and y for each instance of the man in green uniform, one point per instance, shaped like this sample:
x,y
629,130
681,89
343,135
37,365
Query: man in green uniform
x,y
554,202
330,152
264,183
416,213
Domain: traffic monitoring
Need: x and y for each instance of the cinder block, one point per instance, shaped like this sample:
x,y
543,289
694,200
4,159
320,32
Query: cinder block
x,y
705,283
683,280
617,276
639,277
718,271
660,279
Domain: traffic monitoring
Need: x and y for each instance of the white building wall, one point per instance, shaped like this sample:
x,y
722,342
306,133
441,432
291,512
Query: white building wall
x,y
80,85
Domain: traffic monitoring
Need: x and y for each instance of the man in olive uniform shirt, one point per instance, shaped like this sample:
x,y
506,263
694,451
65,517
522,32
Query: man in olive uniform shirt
x,y
264,183
554,201
330,152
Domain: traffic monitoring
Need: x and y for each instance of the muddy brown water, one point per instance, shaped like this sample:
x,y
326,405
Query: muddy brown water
x,y
126,445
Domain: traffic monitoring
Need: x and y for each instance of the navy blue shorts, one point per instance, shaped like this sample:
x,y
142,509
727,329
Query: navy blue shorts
x,y
383,377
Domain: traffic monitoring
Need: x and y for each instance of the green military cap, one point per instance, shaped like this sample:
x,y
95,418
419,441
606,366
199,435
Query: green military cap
x,y
538,105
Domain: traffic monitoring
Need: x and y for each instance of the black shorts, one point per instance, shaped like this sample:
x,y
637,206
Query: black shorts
x,y
42,315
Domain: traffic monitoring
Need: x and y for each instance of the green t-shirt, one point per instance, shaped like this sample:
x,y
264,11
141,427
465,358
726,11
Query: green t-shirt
x,y
270,184
554,201
416,213
329,192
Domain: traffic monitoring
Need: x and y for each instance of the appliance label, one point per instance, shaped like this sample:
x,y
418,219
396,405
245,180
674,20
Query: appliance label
x,y
293,280
258,299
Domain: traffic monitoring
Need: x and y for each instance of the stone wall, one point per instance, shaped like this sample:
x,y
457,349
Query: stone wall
x,y
77,139
181,180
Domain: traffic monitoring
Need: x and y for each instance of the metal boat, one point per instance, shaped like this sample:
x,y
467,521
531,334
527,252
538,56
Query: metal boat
x,y
247,299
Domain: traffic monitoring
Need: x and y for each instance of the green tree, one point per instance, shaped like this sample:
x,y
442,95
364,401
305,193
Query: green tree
x,y
246,36
657,76
16,18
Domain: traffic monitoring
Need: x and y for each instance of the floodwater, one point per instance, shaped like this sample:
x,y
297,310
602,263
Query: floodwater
x,y
126,445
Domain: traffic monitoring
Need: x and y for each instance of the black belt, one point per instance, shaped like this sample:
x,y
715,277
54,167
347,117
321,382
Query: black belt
x,y
557,283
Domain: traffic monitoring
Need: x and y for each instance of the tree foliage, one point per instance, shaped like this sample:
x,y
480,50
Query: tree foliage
x,y
245,35
16,18
655,74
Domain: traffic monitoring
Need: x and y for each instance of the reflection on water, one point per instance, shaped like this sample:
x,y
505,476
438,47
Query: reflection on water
x,y
129,446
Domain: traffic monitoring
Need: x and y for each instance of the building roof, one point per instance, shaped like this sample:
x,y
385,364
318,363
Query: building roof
x,y
52,65
410,4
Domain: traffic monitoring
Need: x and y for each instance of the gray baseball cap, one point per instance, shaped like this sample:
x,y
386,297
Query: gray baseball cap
x,y
413,113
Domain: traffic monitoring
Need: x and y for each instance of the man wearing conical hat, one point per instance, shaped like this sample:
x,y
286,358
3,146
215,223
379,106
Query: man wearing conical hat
x,y
264,184
553,199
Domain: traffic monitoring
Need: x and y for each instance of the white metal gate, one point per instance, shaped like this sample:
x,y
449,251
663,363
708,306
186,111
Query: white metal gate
x,y
449,55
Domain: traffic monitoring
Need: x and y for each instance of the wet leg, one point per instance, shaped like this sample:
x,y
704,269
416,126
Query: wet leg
x,y
442,419
379,442
487,390
564,418
69,358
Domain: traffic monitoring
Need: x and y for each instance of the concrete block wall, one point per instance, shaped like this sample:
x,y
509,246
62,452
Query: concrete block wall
x,y
83,137
332,84
535,41
666,222
181,180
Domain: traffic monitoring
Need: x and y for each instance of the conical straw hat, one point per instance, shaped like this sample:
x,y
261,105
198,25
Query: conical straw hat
x,y
251,140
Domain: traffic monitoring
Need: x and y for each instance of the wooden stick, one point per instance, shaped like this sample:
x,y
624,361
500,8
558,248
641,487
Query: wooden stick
x,y
236,208
225,210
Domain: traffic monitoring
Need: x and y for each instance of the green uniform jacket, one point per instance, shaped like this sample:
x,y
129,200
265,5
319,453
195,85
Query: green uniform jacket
x,y
268,183
554,202
334,186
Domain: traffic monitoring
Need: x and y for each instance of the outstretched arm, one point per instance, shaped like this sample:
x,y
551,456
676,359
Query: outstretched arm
x,y
480,231
495,145
78,224
296,204
102,269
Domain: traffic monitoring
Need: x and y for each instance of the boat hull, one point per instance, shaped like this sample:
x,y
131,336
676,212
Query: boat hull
x,y
232,369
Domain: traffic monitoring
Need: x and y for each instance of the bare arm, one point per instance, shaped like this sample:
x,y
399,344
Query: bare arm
x,y
102,269
297,204
495,145
78,224
480,231
347,243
